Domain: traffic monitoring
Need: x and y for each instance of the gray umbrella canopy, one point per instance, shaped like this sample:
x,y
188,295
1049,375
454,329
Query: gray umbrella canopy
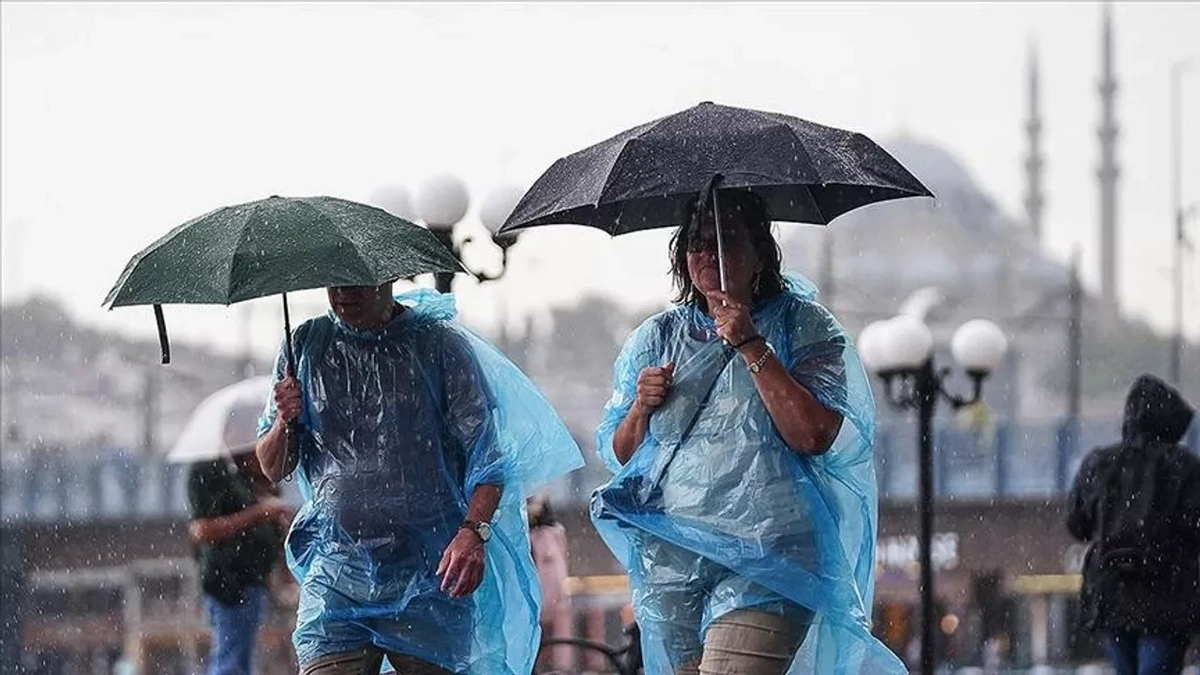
x,y
643,178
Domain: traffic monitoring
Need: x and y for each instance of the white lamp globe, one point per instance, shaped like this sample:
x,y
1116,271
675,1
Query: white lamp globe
x,y
394,199
871,346
908,343
442,201
978,346
498,205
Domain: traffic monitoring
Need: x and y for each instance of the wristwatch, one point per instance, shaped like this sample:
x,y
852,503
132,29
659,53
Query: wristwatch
x,y
484,530
757,366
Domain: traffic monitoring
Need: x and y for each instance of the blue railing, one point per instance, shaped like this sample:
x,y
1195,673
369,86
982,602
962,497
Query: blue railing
x,y
1026,460
114,489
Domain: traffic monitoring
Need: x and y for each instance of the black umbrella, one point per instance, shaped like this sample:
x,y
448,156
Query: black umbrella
x,y
644,177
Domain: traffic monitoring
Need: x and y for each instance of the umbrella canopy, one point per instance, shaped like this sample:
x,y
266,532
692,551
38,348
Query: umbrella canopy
x,y
644,177
224,424
278,245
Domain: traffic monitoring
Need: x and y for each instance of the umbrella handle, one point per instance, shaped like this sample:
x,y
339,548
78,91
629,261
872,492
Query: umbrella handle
x,y
292,431
163,343
720,243
720,239
293,448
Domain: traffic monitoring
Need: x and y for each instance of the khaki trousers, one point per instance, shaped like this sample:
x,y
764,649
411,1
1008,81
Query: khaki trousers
x,y
747,642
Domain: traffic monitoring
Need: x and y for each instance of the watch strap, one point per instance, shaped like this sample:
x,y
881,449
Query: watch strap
x,y
757,366
477,527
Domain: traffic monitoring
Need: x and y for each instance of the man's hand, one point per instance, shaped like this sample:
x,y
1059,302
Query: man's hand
x,y
277,512
284,519
461,569
287,399
732,318
223,528
653,385
271,507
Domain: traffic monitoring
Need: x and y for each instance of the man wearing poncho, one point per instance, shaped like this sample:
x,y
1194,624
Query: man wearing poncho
x,y
419,445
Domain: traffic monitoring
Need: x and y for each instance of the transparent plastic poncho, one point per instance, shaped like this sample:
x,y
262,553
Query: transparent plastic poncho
x,y
401,425
714,513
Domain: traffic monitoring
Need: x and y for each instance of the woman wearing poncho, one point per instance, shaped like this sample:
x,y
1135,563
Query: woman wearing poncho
x,y
743,502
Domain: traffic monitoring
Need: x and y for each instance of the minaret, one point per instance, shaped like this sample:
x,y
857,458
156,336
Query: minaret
x,y
1035,198
1108,172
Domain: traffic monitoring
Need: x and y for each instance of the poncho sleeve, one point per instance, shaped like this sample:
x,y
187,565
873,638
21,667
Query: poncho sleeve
x,y
470,414
643,349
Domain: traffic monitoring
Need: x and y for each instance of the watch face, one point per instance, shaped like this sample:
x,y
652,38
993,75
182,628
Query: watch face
x,y
485,531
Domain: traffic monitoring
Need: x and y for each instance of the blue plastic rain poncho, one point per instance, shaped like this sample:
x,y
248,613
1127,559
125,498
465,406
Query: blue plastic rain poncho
x,y
715,513
402,425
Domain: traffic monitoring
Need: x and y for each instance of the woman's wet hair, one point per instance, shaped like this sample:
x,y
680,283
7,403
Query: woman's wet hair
x,y
737,206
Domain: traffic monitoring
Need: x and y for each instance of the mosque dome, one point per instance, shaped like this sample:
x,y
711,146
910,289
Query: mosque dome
x,y
934,165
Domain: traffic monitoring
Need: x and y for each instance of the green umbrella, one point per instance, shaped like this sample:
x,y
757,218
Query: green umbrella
x,y
276,245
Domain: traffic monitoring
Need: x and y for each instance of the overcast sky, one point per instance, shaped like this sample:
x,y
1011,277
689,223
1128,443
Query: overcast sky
x,y
121,121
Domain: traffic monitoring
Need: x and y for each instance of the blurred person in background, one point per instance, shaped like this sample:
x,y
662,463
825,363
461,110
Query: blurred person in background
x,y
281,585
548,544
238,528
1138,505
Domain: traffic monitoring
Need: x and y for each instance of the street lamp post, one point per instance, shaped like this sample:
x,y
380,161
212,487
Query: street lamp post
x,y
900,351
1177,71
441,204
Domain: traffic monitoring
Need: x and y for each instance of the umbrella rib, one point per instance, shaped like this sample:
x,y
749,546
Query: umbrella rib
x,y
625,146
237,248
807,156
141,255
608,174
368,264
336,226
244,241
816,204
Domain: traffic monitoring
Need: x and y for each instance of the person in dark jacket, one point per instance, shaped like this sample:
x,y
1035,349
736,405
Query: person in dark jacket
x,y
238,535
1138,504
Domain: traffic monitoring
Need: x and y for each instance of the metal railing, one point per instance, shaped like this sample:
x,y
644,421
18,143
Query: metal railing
x,y
1006,460
1024,460
625,659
